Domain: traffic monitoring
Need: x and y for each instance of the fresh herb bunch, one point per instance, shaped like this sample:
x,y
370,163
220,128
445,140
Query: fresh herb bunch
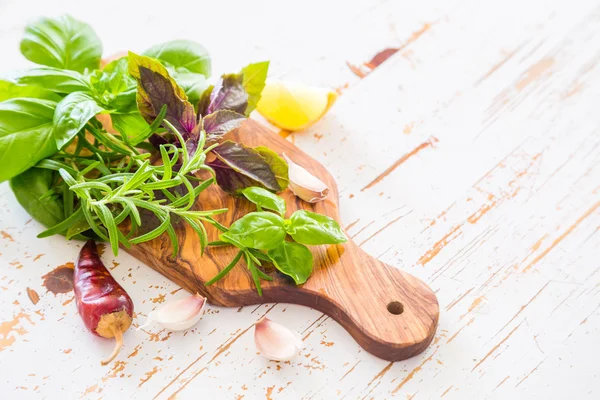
x,y
82,177
129,177
261,236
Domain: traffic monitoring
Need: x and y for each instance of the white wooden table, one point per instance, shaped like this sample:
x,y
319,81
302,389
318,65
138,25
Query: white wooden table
x,y
471,159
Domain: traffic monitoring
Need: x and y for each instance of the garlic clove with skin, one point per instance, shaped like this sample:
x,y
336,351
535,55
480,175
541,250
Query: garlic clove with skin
x,y
178,315
305,185
275,341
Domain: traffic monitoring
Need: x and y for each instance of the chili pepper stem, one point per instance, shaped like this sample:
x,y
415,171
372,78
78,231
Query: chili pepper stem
x,y
112,326
118,344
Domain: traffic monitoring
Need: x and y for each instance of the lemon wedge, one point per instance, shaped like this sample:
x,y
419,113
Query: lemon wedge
x,y
293,106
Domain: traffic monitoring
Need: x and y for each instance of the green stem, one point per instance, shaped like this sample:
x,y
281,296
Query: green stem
x,y
225,270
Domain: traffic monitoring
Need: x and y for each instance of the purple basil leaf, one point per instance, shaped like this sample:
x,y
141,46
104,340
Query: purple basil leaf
x,y
160,91
238,167
222,121
229,94
204,101
230,181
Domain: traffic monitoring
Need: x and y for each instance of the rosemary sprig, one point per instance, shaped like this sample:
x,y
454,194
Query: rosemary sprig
x,y
118,182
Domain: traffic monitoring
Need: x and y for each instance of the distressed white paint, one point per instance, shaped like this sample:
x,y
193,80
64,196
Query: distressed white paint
x,y
507,200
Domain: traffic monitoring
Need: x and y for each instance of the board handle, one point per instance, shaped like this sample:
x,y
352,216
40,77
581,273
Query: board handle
x,y
390,313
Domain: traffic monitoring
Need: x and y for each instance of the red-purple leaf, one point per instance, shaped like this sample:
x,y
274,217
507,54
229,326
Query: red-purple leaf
x,y
229,180
160,91
238,167
222,121
229,94
236,92
155,89
204,101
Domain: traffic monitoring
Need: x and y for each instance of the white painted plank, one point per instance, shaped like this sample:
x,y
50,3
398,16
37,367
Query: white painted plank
x,y
491,111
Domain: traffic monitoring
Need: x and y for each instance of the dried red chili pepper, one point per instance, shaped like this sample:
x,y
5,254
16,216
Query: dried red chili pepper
x,y
104,306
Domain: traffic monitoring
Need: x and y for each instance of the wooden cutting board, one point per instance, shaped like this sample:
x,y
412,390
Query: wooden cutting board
x,y
390,313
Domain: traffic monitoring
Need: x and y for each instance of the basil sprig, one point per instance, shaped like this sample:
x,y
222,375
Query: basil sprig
x,y
261,236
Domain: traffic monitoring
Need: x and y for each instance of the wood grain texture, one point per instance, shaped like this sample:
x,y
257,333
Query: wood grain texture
x,y
347,284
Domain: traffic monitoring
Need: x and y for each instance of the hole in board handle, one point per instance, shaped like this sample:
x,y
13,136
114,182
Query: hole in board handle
x,y
395,307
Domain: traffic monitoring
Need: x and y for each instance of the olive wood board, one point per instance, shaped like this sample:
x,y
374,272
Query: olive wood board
x,y
390,313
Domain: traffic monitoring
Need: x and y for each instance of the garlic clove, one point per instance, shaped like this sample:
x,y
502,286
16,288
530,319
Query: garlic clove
x,y
305,185
275,341
178,315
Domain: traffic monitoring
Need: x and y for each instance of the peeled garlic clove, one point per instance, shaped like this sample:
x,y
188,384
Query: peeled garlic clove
x,y
275,341
305,185
178,315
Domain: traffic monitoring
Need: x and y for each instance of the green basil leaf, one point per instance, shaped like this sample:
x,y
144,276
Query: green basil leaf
x,y
184,54
188,62
257,230
63,42
265,199
131,124
278,165
193,84
25,134
114,86
230,240
29,187
294,260
72,113
10,90
55,79
118,77
311,228
138,130
254,78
